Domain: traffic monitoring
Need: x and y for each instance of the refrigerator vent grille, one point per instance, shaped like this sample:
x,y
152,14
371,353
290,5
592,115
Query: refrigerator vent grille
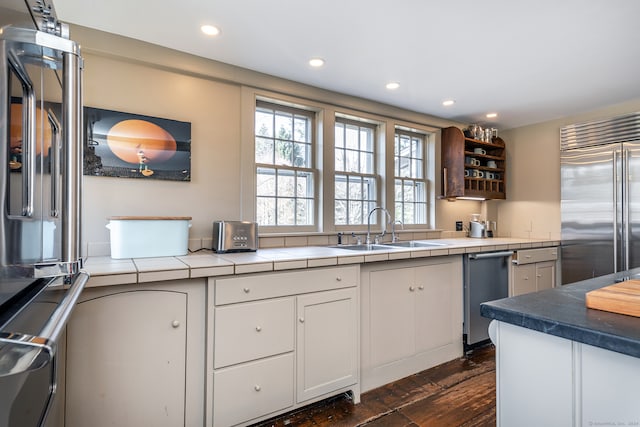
x,y
617,129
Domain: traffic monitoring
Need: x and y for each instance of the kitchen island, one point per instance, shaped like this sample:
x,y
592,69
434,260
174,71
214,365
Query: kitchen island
x,y
559,363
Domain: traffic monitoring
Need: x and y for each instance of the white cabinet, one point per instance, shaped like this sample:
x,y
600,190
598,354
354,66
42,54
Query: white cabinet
x,y
135,356
523,279
545,275
392,308
278,341
411,317
533,270
544,380
253,330
248,391
327,342
534,377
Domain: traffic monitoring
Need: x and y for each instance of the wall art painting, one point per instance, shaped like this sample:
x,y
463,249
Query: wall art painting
x,y
129,145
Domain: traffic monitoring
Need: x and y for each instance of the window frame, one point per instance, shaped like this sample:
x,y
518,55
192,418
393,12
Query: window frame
x,y
374,176
412,134
311,169
326,111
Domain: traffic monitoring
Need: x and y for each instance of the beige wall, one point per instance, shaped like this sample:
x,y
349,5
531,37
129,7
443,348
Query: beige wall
x,y
211,107
532,208
131,76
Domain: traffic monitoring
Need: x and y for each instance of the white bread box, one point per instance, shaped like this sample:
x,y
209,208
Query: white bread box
x,y
149,236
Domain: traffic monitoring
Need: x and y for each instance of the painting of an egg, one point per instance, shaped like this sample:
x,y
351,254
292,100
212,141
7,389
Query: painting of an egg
x,y
129,145
139,141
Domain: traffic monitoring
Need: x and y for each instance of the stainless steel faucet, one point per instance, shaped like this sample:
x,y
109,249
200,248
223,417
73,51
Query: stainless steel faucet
x,y
384,224
394,237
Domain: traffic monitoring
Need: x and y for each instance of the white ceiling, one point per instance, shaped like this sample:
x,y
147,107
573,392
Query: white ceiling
x,y
529,61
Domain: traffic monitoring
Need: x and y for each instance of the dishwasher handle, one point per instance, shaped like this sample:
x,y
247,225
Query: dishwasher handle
x,y
485,255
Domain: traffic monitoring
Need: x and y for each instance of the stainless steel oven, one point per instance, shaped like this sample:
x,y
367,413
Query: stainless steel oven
x,y
40,188
30,350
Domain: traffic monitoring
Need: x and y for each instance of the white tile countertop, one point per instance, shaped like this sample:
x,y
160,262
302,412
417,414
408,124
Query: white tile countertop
x,y
106,271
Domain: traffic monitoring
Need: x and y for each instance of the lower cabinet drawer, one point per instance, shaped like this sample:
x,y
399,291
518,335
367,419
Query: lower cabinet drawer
x,y
251,390
272,285
528,256
253,330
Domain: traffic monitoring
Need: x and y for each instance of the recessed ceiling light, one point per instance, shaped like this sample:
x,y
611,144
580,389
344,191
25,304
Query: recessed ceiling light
x,y
393,85
316,62
448,102
210,30
492,115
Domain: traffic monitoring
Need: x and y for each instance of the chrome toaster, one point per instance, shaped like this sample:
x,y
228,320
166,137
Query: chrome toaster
x,y
235,236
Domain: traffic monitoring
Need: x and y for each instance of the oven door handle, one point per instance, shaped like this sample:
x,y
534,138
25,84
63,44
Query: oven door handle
x,y
59,318
485,255
20,353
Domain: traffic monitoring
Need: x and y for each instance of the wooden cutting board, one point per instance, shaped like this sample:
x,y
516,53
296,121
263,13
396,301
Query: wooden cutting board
x,y
622,298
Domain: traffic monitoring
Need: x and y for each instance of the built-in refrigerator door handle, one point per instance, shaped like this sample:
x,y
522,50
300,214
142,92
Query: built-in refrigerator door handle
x,y
72,152
615,209
28,133
627,202
54,161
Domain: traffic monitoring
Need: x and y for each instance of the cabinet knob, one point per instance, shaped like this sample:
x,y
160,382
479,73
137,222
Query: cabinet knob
x,y
412,288
175,323
258,328
301,319
525,278
246,290
338,279
421,287
538,275
257,387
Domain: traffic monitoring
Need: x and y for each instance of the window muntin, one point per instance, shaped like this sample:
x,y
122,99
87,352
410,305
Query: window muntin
x,y
355,191
284,160
410,189
354,197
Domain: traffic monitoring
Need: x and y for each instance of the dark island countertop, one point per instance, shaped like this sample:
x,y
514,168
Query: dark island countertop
x,y
562,312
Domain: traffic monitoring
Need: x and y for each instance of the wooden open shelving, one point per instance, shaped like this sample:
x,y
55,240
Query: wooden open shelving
x,y
456,151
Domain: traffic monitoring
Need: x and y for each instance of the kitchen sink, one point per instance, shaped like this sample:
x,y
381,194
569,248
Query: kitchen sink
x,y
363,247
414,244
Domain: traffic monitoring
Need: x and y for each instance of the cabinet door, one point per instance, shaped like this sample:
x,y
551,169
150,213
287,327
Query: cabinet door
x,y
434,291
391,315
535,378
608,387
524,279
411,317
126,360
327,342
545,275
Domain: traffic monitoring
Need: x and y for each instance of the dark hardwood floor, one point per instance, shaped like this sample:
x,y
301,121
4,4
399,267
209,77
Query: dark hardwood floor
x,y
459,393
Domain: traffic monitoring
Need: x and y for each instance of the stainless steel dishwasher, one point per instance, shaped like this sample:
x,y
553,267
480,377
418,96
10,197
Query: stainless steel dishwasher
x,y
486,278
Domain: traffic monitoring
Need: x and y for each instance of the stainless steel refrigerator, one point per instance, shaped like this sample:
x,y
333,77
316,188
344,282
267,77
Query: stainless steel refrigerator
x,y
600,191
40,200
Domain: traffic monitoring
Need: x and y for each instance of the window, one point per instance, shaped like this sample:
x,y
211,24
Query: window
x,y
410,184
355,172
284,161
302,179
